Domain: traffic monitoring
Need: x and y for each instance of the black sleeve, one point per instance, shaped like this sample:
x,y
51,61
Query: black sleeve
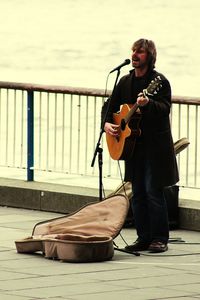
x,y
106,116
111,105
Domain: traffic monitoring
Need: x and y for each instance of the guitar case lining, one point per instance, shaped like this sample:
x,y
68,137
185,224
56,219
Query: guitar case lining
x,y
84,236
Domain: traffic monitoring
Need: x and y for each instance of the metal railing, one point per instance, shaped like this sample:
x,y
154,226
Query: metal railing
x,y
55,129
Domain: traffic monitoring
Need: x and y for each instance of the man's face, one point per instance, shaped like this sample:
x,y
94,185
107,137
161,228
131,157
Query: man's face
x,y
139,57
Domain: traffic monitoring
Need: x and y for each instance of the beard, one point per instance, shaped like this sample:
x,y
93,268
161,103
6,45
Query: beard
x,y
138,64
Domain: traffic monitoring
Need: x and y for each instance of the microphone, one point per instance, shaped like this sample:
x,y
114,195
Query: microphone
x,y
126,62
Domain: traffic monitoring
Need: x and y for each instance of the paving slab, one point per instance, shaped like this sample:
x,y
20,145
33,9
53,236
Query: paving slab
x,y
174,274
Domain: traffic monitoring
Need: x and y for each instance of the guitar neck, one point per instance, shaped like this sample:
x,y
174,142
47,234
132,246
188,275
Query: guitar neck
x,y
131,113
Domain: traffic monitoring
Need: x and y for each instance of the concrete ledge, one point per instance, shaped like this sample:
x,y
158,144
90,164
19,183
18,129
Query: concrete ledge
x,y
189,214
44,196
19,197
66,199
189,218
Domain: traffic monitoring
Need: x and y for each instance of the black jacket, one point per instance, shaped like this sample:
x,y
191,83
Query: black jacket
x,y
155,124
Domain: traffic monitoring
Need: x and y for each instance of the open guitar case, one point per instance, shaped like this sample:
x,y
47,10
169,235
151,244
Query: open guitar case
x,y
83,236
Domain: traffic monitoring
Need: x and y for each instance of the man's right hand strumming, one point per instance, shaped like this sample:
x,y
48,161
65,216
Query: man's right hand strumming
x,y
111,129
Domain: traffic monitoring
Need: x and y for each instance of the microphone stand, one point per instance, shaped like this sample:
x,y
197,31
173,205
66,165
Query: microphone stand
x,y
98,149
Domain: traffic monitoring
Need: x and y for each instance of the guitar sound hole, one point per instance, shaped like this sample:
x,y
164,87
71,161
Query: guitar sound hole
x,y
123,124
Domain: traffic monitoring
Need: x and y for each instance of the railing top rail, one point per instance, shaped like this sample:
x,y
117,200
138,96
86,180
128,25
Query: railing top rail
x,y
54,89
81,91
186,100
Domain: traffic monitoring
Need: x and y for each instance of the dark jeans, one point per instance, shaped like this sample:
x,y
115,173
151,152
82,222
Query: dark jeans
x,y
148,202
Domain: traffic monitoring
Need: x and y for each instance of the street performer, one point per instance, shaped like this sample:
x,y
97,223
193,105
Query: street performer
x,y
152,166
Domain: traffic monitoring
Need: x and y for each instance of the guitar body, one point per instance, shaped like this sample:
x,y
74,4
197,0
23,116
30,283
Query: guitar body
x,y
122,147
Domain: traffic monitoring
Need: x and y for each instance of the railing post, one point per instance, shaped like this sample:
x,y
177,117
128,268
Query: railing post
x,y
30,136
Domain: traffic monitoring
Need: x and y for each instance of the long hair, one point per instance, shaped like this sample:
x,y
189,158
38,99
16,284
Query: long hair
x,y
150,47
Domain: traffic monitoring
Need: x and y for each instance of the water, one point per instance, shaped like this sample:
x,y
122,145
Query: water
x,y
77,42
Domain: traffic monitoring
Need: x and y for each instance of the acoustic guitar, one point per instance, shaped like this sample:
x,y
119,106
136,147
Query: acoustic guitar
x,y
128,119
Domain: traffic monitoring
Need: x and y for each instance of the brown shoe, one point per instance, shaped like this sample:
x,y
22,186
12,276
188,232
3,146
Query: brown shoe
x,y
138,245
157,247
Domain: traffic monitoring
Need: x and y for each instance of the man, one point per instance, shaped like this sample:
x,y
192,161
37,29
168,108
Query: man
x,y
152,166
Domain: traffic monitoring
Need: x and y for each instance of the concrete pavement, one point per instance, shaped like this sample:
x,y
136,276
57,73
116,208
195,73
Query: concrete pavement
x,y
171,275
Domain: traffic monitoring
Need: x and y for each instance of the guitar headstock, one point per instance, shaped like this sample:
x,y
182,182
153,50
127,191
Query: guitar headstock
x,y
153,87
